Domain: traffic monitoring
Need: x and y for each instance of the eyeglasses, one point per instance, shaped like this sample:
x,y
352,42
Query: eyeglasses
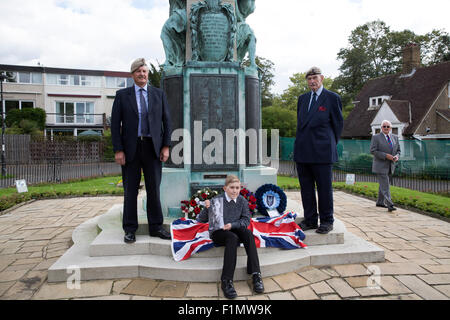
x,y
386,126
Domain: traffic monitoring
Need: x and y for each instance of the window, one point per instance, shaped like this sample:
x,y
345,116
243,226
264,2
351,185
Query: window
x,y
114,82
74,112
73,80
63,80
25,77
17,104
376,102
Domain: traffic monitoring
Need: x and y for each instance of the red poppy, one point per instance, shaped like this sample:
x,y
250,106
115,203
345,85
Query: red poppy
x,y
193,203
204,196
252,206
197,210
252,199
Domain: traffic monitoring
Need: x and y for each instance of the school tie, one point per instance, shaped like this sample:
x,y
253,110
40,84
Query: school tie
x,y
313,101
144,115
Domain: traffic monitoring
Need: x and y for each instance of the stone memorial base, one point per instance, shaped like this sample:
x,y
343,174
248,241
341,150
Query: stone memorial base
x,y
100,253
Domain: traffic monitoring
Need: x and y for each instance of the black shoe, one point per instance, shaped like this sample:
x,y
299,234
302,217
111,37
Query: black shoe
x,y
161,233
324,228
392,208
129,237
228,289
304,226
381,205
258,285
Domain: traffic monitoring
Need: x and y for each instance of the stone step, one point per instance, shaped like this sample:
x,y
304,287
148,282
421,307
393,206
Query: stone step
x,y
110,243
78,262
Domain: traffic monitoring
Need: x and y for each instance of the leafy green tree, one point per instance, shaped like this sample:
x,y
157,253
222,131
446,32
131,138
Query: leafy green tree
x,y
279,118
266,68
154,75
374,51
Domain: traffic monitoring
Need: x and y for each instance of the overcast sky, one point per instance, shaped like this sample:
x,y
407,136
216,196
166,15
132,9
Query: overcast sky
x,y
109,34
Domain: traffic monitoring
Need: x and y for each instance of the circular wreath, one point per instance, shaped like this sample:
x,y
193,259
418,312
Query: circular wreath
x,y
279,203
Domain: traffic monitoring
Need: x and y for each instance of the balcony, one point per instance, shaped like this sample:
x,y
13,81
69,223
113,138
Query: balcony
x,y
78,119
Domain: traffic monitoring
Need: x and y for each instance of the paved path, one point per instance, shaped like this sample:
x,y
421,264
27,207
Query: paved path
x,y
417,265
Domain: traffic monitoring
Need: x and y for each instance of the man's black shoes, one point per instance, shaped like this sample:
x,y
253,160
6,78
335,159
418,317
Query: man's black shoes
x,y
129,237
161,233
258,285
228,289
304,226
392,208
324,228
381,205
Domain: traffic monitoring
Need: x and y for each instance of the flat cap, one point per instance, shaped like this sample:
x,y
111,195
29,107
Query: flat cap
x,y
313,71
137,64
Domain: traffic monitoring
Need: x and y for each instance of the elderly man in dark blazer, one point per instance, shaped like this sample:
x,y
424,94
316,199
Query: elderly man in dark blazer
x,y
141,130
319,127
386,151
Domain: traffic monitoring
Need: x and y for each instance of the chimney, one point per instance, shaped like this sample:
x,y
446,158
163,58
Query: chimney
x,y
411,58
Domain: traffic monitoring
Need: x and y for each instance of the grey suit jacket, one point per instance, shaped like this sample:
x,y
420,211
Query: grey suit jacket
x,y
379,147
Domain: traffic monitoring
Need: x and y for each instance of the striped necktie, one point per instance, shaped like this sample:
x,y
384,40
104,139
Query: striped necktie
x,y
144,115
389,141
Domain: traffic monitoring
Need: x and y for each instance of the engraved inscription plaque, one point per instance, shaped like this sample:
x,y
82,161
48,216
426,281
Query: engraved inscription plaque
x,y
214,105
215,29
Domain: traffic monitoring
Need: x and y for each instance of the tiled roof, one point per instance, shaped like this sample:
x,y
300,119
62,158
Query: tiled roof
x,y
421,89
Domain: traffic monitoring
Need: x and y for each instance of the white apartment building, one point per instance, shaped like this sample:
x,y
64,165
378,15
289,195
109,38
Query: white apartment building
x,y
74,100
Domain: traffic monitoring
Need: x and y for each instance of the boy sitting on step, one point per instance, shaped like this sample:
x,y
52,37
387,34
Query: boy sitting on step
x,y
228,216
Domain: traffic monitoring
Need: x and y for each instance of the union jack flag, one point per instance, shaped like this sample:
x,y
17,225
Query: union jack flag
x,y
190,236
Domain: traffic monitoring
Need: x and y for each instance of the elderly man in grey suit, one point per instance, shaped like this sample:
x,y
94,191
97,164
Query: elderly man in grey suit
x,y
386,151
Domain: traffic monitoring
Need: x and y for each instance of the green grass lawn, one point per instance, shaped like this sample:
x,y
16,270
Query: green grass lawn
x,y
410,198
93,187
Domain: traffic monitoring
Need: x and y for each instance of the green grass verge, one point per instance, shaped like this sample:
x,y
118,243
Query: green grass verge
x,y
83,187
422,201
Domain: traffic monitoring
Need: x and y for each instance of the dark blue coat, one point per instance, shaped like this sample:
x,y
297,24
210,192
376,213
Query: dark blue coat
x,y
125,121
319,130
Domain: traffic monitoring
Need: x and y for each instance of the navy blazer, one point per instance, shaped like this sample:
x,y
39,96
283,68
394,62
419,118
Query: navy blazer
x,y
125,121
319,130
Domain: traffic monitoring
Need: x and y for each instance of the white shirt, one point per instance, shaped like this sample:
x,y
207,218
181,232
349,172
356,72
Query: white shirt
x,y
229,199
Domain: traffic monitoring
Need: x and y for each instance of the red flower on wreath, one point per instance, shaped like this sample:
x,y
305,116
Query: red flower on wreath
x,y
251,200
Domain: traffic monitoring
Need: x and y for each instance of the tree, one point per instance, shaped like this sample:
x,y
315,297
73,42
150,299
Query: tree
x,y
298,86
266,68
279,118
154,75
374,51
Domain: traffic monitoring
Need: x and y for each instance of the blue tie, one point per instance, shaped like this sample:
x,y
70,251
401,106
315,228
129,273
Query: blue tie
x,y
144,115
313,101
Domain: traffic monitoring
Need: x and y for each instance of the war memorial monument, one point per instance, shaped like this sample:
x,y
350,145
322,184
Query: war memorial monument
x,y
215,106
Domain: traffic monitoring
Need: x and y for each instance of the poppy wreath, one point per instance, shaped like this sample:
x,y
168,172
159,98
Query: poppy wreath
x,y
270,197
250,197
195,204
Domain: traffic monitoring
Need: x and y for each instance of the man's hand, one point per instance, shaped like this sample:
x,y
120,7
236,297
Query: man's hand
x,y
227,227
164,154
395,159
120,158
389,157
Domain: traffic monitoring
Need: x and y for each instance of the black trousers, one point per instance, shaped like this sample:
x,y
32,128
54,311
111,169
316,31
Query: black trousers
x,y
321,175
231,240
146,160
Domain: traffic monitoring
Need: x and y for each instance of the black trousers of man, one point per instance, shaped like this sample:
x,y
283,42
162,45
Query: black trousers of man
x,y
310,176
231,240
145,159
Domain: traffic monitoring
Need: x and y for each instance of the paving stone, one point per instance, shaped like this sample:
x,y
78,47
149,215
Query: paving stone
x,y
444,268
119,285
370,291
331,297
281,296
202,290
393,286
413,254
351,270
304,293
4,286
140,287
258,297
242,288
61,291
421,288
440,278
270,285
290,280
398,268
358,282
393,257
445,289
314,275
8,276
342,288
173,289
322,288
112,297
